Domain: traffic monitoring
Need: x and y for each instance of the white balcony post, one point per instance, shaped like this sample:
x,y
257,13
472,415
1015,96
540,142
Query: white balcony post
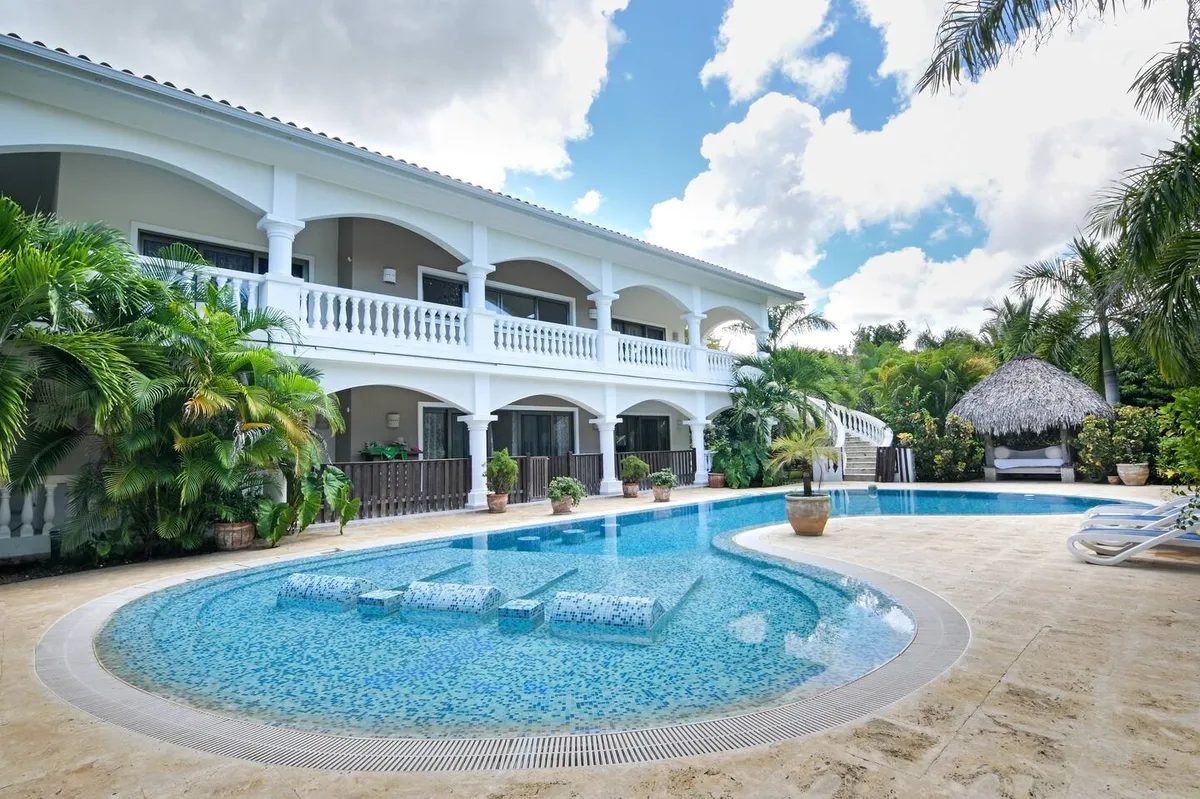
x,y
481,336
477,427
696,340
609,484
279,289
697,427
50,510
608,339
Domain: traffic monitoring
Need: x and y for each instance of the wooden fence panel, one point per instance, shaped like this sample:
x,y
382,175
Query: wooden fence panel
x,y
680,461
398,488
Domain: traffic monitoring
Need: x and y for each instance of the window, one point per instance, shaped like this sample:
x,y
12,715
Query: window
x,y
220,256
443,435
447,291
643,434
443,292
546,433
640,330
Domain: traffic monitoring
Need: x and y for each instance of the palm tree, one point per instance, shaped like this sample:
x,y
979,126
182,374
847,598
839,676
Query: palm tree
x,y
928,340
784,321
71,297
802,448
1088,284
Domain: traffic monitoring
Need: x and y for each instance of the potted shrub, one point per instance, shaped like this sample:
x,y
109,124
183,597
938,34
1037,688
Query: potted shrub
x,y
663,481
716,477
633,471
806,512
501,475
565,493
1134,439
238,511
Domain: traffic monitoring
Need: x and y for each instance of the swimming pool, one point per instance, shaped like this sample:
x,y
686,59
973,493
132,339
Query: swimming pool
x,y
742,632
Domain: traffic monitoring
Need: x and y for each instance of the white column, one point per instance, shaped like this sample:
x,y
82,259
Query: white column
x,y
481,335
5,511
280,289
697,427
608,339
609,484
696,340
477,427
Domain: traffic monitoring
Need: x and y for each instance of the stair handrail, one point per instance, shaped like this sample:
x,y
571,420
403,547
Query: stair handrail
x,y
863,425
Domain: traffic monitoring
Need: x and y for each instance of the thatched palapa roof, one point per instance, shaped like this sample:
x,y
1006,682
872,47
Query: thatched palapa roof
x,y
1029,395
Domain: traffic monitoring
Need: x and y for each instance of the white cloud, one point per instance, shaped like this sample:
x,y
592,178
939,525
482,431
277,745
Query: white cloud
x,y
1029,145
758,37
589,203
472,89
908,28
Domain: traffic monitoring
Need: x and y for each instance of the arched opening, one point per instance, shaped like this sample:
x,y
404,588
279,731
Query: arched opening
x,y
383,257
719,319
650,312
652,426
396,423
536,289
544,425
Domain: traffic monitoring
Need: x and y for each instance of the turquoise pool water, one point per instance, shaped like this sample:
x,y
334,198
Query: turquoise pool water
x,y
742,631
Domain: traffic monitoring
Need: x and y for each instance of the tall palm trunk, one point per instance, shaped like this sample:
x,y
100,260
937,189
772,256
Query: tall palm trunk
x,y
1108,366
808,476
1194,20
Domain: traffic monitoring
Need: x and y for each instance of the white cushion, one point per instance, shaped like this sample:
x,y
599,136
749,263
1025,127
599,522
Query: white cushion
x,y
1003,452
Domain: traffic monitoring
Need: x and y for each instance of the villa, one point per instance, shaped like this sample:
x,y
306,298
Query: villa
x,y
449,319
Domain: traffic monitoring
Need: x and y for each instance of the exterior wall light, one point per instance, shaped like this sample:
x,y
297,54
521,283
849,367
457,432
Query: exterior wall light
x,y
393,420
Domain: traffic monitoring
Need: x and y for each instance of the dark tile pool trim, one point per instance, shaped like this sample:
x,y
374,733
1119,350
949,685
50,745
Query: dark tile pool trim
x,y
66,663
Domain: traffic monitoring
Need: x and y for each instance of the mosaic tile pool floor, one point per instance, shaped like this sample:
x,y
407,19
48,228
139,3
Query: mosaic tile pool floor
x,y
740,632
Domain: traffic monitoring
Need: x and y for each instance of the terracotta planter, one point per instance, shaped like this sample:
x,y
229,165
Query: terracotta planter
x,y
716,480
497,503
662,494
807,515
561,506
630,490
1113,480
1133,474
233,536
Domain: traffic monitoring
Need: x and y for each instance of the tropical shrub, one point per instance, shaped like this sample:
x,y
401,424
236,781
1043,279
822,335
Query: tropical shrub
x,y
664,478
1135,435
951,454
1094,448
634,469
801,449
501,473
1179,445
326,485
562,487
741,461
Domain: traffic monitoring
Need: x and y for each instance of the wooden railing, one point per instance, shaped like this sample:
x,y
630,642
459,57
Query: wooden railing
x,y
398,488
680,461
533,475
587,469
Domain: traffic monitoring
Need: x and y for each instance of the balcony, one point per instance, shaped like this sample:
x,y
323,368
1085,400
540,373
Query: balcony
x,y
346,319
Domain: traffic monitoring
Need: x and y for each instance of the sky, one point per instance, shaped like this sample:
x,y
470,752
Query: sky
x,y
780,138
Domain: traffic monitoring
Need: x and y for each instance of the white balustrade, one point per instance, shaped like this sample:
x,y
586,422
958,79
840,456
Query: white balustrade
x,y
720,363
650,354
864,425
246,287
530,337
27,532
329,309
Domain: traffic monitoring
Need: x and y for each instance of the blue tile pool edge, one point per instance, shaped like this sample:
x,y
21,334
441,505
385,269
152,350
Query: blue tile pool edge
x,y
66,662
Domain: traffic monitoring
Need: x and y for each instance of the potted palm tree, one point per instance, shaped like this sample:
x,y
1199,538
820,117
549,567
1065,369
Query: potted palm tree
x,y
807,512
565,493
501,474
633,471
237,511
663,481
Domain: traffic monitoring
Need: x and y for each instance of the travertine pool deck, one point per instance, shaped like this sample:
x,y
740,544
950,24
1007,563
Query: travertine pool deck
x,y
1079,681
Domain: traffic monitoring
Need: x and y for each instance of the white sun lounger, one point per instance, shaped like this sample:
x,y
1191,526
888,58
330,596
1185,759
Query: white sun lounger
x,y
1110,545
1137,510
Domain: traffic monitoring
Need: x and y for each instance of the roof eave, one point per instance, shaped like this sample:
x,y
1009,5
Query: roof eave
x,y
267,125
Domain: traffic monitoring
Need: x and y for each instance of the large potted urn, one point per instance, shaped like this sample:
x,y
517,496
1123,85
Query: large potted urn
x,y
232,536
807,514
1134,474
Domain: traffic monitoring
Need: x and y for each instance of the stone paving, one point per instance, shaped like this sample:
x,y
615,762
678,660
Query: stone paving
x,y
1078,681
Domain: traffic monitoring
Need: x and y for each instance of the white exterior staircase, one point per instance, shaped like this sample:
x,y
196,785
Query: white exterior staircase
x,y
857,435
859,459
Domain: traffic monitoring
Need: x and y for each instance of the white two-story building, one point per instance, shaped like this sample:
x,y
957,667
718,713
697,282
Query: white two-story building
x,y
452,318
